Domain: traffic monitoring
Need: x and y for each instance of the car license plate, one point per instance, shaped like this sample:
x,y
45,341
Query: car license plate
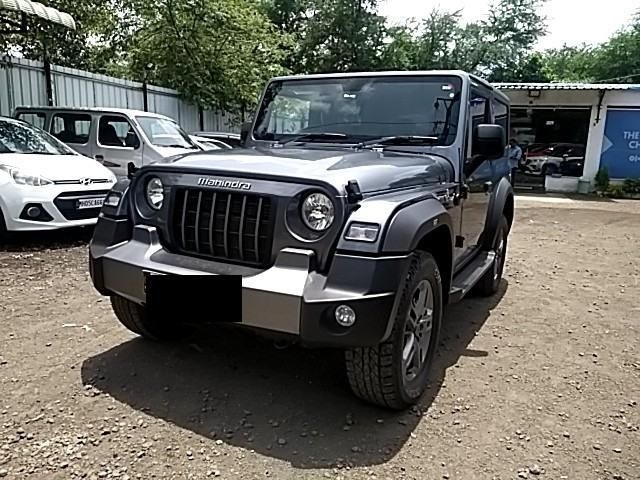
x,y
95,202
202,298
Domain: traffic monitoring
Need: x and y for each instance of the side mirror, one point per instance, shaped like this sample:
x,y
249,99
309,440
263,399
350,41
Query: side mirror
x,y
131,170
244,131
131,140
489,140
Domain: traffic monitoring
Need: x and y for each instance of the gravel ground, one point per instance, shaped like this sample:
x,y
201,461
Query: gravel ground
x,y
542,381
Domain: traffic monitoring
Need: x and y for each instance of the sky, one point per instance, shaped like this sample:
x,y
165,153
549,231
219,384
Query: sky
x,y
568,21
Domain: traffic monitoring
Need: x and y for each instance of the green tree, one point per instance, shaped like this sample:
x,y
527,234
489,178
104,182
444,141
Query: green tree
x,y
217,53
329,35
92,46
496,47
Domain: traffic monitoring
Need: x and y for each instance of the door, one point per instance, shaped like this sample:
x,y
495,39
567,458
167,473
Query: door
x,y
477,178
117,144
74,129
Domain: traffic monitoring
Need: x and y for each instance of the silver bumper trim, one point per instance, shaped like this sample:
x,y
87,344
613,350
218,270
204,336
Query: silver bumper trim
x,y
271,299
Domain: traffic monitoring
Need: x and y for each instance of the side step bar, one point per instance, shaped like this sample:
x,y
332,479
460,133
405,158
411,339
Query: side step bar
x,y
465,280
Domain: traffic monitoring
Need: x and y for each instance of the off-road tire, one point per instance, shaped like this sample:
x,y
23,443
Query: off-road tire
x,y
134,317
375,373
490,282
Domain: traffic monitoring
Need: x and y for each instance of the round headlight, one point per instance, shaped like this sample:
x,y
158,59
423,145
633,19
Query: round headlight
x,y
155,193
318,212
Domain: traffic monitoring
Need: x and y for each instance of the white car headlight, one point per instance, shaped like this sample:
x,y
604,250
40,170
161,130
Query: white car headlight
x,y
155,193
317,212
22,177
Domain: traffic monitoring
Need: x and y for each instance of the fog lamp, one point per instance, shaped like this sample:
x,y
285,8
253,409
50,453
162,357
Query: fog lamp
x,y
345,316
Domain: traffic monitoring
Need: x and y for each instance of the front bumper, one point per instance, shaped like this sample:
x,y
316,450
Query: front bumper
x,y
55,201
287,298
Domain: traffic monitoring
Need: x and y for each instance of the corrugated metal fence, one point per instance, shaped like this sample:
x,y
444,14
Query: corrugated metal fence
x,y
22,83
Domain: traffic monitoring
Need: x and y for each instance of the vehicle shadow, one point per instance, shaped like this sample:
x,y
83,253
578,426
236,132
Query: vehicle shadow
x,y
292,404
46,240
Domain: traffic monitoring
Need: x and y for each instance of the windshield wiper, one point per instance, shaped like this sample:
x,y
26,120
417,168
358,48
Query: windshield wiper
x,y
310,137
175,145
399,140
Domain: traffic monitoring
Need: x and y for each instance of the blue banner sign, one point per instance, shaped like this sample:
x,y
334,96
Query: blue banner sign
x,y
621,144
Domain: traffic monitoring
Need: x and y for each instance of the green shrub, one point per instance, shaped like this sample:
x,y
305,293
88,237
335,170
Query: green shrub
x,y
631,185
602,179
616,191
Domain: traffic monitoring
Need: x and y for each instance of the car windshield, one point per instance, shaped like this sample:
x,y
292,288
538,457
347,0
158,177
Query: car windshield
x,y
361,108
165,133
23,138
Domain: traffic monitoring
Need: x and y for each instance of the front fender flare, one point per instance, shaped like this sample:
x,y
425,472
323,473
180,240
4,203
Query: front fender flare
x,y
411,224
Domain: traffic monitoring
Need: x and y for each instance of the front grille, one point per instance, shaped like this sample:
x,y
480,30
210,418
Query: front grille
x,y
67,204
80,182
235,227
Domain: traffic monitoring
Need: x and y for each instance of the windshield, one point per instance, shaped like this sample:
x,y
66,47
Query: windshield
x,y
18,137
165,133
361,107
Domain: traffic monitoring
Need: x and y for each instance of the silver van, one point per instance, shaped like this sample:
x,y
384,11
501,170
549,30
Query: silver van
x,y
115,137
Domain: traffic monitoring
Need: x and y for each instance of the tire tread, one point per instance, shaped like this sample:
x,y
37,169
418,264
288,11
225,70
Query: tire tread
x,y
370,370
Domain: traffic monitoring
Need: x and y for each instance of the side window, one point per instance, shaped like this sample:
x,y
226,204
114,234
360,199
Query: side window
x,y
71,127
479,110
288,115
35,119
116,131
501,115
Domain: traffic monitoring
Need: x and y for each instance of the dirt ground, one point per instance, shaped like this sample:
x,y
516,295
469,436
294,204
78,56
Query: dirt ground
x,y
542,381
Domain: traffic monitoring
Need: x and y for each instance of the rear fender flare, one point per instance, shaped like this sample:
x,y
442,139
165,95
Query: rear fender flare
x,y
497,203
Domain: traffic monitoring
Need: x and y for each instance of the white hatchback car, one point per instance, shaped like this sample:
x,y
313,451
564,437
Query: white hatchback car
x,y
44,184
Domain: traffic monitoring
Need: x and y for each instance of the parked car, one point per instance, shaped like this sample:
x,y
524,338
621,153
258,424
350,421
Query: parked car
x,y
209,143
548,161
115,137
352,232
573,167
44,184
231,139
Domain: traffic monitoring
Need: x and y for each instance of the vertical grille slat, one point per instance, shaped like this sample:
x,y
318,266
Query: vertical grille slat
x,y
212,217
197,236
226,227
241,229
256,231
235,227
184,219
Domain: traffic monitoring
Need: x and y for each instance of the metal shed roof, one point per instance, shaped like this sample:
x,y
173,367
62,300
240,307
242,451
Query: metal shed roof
x,y
39,10
567,86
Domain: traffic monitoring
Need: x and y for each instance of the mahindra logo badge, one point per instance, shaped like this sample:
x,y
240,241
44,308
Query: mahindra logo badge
x,y
218,182
85,181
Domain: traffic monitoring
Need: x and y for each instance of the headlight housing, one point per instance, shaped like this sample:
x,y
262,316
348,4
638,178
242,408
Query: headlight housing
x,y
318,212
22,177
154,193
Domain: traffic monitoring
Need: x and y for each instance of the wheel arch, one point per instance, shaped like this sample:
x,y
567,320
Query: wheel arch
x,y
438,242
502,203
425,226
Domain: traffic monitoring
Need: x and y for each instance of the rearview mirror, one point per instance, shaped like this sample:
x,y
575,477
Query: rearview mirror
x,y
489,140
244,131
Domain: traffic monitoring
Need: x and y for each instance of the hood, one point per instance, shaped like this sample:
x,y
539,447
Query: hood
x,y
57,167
374,170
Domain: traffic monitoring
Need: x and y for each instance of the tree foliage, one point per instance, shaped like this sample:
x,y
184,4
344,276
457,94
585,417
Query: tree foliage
x,y
219,53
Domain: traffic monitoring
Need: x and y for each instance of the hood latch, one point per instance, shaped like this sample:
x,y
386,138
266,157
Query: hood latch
x,y
354,195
